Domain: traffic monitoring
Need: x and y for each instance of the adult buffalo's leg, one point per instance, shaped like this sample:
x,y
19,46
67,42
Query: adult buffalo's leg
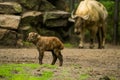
x,y
81,36
103,29
99,37
93,33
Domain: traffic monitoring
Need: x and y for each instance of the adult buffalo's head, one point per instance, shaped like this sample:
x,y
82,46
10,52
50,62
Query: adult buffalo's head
x,y
79,23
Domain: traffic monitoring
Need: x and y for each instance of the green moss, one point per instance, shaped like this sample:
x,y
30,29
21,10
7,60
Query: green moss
x,y
29,3
17,7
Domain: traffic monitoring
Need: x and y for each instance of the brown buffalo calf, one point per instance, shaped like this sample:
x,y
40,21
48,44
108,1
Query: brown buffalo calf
x,y
43,43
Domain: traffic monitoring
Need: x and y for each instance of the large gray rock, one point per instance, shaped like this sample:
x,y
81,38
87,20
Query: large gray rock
x,y
56,18
2,33
30,4
42,16
60,4
30,18
9,38
56,23
8,0
46,6
31,13
10,8
29,22
9,21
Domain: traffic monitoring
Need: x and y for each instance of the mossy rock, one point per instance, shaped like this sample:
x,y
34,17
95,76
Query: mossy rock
x,y
46,6
56,23
56,18
60,4
9,21
30,4
31,18
47,32
2,33
10,8
9,39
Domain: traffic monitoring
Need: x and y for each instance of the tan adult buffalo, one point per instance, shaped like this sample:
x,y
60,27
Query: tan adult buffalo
x,y
91,15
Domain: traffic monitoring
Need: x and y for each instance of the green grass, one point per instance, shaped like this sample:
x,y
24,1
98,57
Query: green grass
x,y
84,76
25,72
25,43
68,45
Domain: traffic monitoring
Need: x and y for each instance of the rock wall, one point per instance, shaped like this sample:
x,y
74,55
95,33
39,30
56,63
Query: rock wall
x,y
19,17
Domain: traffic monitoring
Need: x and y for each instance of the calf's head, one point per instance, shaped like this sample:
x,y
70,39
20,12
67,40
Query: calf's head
x,y
32,37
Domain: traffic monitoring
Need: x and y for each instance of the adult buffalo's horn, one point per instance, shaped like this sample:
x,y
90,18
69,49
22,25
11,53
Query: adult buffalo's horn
x,y
72,18
72,15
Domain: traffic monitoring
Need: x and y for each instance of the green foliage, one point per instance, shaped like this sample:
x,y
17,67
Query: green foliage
x,y
68,45
25,43
110,21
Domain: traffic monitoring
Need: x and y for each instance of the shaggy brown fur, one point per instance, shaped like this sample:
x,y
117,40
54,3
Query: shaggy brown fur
x,y
91,15
43,43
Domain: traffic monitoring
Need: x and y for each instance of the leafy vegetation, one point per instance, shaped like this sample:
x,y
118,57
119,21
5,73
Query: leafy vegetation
x,y
110,8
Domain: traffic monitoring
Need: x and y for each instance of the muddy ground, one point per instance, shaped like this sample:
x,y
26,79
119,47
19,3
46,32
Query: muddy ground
x,y
97,63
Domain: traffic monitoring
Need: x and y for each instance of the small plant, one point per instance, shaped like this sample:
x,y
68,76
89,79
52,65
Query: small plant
x,y
68,45
25,43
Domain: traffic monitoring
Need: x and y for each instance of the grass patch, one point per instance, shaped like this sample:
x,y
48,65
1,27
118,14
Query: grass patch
x,y
25,43
24,72
83,77
68,45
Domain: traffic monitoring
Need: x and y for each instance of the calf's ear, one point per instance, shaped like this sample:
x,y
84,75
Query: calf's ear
x,y
36,35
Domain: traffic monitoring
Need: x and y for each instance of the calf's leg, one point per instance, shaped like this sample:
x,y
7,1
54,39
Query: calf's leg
x,y
54,58
59,56
103,35
81,36
41,54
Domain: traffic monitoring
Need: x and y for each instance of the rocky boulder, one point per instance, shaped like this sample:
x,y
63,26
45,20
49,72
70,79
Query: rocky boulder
x,y
8,37
56,18
10,8
9,21
19,17
30,4
46,6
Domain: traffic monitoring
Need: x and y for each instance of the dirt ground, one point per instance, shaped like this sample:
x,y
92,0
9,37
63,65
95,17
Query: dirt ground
x,y
97,63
